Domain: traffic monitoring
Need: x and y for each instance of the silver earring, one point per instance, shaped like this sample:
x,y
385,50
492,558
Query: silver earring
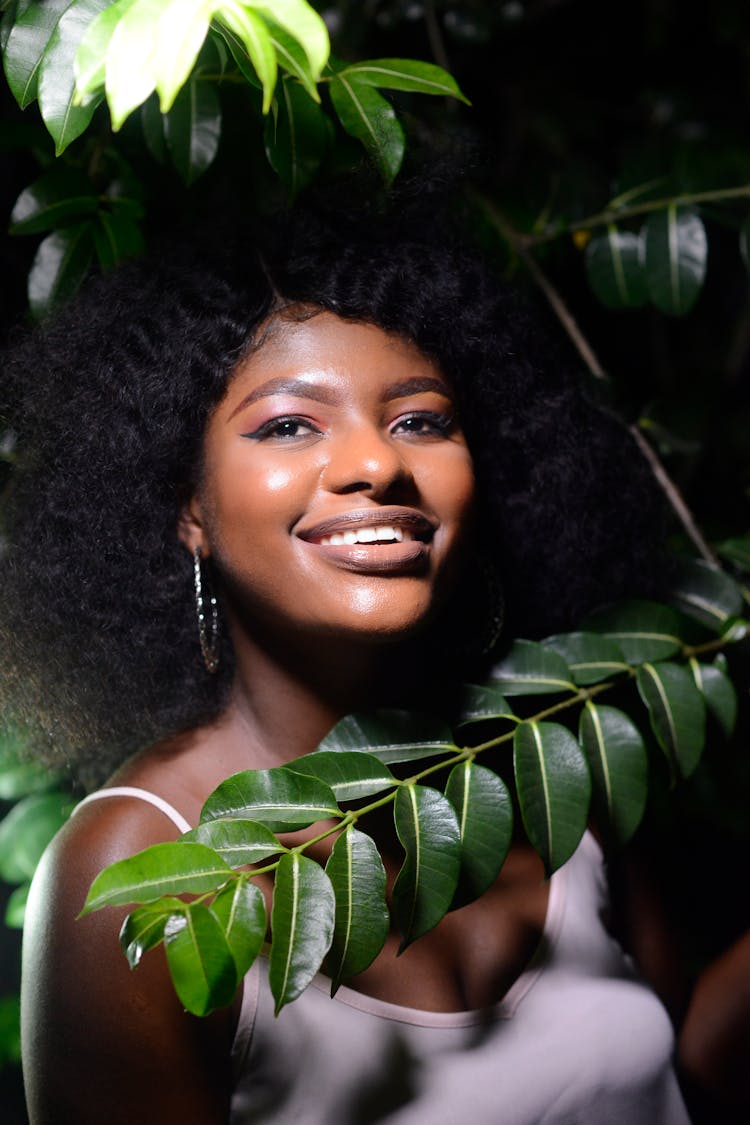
x,y
209,644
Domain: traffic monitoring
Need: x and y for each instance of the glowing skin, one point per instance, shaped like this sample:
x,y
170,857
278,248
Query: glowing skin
x,y
338,486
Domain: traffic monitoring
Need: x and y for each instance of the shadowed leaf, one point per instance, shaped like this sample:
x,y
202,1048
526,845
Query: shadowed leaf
x,y
302,923
362,922
427,827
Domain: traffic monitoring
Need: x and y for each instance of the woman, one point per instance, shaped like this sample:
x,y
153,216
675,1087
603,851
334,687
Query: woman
x,y
338,432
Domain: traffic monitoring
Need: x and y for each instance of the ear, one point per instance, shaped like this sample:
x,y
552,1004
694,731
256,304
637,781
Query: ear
x,y
191,528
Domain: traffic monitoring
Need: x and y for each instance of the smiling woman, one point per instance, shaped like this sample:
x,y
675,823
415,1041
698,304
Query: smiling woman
x,y
334,445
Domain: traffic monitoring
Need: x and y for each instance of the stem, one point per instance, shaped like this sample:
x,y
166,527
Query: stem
x,y
435,36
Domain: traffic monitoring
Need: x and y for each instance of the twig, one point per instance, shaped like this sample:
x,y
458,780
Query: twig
x,y
435,36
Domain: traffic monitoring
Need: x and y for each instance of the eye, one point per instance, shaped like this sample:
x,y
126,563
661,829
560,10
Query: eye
x,y
424,423
284,429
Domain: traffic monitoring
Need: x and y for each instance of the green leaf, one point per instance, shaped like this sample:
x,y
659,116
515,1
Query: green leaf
x,y
192,129
27,45
745,241
391,736
677,712
237,841
707,593
404,74
480,703
531,669
736,551
116,238
485,822
676,252
15,907
59,196
90,62
642,630
614,267
292,58
279,798
369,117
241,911
19,778
554,789
200,960
619,769
428,830
256,39
143,929
350,774
181,33
302,922
130,74
297,137
152,123
304,24
591,657
719,693
358,878
25,832
238,52
64,118
172,868
61,263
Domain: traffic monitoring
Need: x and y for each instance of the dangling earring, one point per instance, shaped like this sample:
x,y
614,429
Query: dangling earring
x,y
209,645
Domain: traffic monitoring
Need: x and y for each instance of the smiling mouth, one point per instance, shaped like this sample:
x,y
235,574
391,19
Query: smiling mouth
x,y
366,535
396,541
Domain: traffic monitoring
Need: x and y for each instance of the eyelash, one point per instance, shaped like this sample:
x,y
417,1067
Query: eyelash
x,y
440,424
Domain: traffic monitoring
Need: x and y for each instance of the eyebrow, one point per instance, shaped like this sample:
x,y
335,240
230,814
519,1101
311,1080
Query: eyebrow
x,y
300,388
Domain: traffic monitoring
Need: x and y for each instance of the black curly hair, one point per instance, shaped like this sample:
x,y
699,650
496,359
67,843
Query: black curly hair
x,y
108,403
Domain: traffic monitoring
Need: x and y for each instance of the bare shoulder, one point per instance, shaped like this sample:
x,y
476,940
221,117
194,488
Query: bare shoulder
x,y
101,1042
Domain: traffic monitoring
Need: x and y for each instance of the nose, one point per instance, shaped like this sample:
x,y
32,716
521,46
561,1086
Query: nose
x,y
365,459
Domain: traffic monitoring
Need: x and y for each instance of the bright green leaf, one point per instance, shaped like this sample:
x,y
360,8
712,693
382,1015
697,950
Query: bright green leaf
x,y
428,829
238,52
171,868
297,137
61,195
554,789
61,263
180,34
362,922
642,630
302,923
192,129
706,592
25,832
279,798
591,657
391,736
369,117
292,58
676,252
143,929
65,119
619,769
350,774
27,45
719,693
531,669
241,911
129,82
485,822
237,841
254,35
614,267
676,710
404,74
302,22
90,61
200,960
15,907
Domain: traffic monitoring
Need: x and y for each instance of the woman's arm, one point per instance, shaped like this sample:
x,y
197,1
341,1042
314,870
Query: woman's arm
x,y
102,1043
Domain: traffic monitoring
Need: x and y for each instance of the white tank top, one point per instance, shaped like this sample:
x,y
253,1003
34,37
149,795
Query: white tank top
x,y
579,1039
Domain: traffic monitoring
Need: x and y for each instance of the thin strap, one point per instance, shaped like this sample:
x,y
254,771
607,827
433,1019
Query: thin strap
x,y
142,795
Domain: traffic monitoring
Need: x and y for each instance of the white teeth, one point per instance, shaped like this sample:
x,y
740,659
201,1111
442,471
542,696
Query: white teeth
x,y
364,535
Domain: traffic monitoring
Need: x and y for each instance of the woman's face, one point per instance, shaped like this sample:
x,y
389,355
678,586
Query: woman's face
x,y
337,485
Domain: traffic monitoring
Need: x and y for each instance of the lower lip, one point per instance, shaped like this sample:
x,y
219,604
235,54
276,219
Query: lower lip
x,y
408,557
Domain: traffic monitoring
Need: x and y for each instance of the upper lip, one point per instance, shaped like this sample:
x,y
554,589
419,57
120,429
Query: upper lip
x,y
408,518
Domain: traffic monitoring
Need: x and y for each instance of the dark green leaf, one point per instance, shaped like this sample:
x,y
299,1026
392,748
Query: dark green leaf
x,y
391,736
143,929
292,58
61,263
614,267
485,823
736,551
26,47
241,911
25,832
192,129
15,907
64,119
706,592
719,693
358,878
744,241
238,52
350,774
200,960
369,117
642,630
237,841
676,710
554,789
675,258
404,74
152,123
531,669
302,922
591,657
297,137
59,196
619,769
116,237
172,868
279,798
480,703
91,56
428,830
